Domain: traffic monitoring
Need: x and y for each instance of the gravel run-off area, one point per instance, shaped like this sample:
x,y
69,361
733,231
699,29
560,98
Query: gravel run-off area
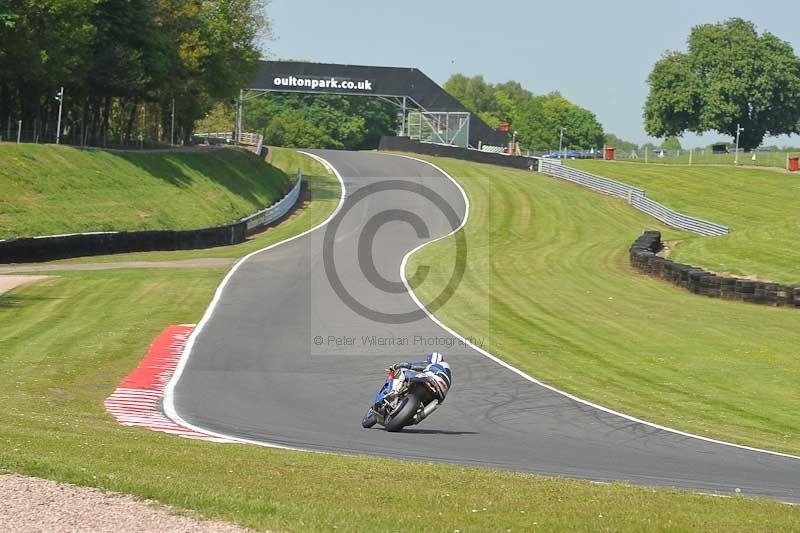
x,y
33,505
9,282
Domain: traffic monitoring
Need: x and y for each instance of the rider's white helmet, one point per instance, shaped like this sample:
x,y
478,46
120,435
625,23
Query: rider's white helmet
x,y
434,358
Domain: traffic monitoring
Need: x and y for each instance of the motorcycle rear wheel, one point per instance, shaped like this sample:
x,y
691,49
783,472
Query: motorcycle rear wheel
x,y
402,416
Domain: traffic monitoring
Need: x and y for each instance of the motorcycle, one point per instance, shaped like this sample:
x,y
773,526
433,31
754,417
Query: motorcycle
x,y
406,399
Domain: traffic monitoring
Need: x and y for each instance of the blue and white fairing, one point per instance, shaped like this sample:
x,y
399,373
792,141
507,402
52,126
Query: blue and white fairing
x,y
386,389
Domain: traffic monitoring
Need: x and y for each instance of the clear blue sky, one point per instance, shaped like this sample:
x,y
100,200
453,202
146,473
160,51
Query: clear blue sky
x,y
597,54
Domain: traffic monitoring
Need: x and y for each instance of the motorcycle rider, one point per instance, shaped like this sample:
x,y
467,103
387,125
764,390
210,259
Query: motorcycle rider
x,y
435,368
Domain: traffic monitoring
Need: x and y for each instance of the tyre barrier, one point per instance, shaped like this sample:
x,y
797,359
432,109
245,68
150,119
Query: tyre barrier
x,y
406,144
52,247
643,257
49,248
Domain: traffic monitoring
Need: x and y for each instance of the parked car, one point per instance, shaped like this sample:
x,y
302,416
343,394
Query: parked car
x,y
568,154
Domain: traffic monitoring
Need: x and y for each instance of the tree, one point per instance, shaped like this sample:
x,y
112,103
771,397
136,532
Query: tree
x,y
537,119
122,63
492,103
321,121
6,16
541,119
672,144
621,145
730,75
476,94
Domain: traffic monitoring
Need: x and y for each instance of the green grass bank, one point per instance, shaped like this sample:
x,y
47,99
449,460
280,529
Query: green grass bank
x,y
548,288
46,189
760,207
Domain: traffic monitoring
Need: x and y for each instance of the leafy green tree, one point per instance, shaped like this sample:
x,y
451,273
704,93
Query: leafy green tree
x,y
46,47
537,119
7,17
492,103
333,121
219,119
476,95
293,130
122,63
730,75
540,120
621,145
650,147
672,144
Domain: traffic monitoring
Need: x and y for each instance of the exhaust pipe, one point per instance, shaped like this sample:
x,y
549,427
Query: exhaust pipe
x,y
426,411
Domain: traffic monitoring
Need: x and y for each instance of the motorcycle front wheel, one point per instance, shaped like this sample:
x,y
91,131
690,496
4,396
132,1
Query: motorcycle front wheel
x,y
402,416
369,419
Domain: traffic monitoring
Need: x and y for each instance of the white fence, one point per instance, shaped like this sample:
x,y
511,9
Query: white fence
x,y
635,197
248,139
276,210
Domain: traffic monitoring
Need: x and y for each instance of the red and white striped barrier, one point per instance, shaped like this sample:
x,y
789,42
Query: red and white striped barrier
x,y
136,401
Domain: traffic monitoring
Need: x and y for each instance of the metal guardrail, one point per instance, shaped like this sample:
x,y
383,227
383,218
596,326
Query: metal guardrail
x,y
249,139
635,197
276,210
677,220
260,146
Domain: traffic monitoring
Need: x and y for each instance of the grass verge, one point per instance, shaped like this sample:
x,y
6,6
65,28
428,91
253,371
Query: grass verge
x,y
68,341
50,189
325,192
774,159
758,205
548,288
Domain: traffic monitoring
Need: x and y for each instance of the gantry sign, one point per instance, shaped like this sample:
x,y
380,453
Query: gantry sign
x,y
408,88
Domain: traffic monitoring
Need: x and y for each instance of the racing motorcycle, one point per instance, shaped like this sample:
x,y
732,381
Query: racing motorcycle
x,y
406,399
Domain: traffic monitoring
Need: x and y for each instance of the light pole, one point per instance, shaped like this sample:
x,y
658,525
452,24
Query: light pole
x,y
60,99
739,130
239,112
514,143
172,126
561,143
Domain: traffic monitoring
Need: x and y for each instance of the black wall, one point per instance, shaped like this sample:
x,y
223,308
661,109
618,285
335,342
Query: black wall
x,y
404,144
643,257
28,250
386,81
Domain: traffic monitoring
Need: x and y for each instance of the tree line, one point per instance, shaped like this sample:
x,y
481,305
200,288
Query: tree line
x,y
125,65
538,120
356,123
296,120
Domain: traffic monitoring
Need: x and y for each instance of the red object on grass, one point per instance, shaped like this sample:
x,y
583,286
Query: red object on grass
x,y
137,400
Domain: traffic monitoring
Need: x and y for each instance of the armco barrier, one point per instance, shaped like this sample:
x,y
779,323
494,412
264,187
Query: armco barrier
x,y
245,138
643,257
267,216
48,248
404,144
636,198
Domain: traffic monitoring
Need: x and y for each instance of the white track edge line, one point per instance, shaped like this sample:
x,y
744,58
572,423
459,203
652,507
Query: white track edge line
x,y
529,377
169,391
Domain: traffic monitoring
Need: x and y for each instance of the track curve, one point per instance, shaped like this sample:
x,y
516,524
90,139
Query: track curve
x,y
257,370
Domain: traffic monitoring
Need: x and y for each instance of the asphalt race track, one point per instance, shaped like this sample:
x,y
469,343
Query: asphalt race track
x,y
282,360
